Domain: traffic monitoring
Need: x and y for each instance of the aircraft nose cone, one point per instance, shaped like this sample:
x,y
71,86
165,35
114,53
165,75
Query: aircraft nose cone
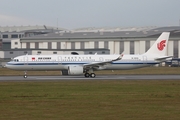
x,y
7,65
10,65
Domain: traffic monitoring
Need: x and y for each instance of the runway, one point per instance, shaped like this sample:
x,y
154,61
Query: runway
x,y
98,77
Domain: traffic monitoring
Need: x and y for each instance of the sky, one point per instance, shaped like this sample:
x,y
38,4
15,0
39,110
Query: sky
x,y
73,14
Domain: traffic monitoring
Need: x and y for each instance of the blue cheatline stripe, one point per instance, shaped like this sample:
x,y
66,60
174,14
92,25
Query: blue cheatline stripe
x,y
80,63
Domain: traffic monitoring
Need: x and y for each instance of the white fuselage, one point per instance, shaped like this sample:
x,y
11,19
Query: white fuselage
x,y
86,64
61,62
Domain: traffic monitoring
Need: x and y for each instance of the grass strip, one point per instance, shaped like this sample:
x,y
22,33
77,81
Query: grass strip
x,y
102,100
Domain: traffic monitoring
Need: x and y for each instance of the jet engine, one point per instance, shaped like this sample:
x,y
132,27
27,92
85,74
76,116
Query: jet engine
x,y
75,70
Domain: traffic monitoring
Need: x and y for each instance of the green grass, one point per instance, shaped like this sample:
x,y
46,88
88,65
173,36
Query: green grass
x,y
101,100
96,99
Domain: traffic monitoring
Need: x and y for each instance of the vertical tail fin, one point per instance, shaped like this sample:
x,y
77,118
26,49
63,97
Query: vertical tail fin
x,y
160,46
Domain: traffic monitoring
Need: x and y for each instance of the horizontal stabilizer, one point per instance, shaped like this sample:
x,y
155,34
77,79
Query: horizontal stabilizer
x,y
164,58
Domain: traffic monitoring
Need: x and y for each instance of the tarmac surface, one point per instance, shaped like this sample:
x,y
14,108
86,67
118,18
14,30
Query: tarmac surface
x,y
98,77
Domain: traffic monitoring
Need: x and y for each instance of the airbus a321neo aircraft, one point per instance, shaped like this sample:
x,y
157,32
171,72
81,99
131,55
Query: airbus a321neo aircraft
x,y
87,64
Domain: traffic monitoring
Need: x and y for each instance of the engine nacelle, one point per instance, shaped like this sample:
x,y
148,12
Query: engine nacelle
x,y
75,70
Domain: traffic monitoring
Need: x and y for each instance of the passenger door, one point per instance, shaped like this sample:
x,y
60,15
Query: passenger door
x,y
59,60
25,60
144,59
101,59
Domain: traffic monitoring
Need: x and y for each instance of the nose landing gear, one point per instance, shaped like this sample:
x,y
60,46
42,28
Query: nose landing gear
x,y
25,74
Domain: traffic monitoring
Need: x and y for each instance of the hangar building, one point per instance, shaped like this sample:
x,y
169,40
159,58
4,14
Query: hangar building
x,y
44,40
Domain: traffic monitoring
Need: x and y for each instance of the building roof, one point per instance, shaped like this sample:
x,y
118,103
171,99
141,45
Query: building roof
x,y
93,29
89,49
126,33
26,28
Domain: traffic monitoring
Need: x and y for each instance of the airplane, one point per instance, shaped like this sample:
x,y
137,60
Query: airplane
x,y
87,64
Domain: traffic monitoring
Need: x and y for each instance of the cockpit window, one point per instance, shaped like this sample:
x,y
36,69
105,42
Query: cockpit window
x,y
16,60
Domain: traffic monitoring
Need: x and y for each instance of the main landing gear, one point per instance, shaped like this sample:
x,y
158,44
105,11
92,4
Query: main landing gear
x,y
92,75
89,73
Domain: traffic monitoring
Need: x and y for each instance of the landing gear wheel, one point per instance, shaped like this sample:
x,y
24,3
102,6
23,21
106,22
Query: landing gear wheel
x,y
86,75
25,76
93,75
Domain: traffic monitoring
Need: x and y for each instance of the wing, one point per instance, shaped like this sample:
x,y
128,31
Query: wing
x,y
92,65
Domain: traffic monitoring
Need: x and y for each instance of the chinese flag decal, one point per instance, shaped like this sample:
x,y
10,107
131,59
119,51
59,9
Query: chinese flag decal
x,y
33,58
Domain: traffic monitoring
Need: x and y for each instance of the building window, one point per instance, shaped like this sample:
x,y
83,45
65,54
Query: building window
x,y
0,43
25,52
131,47
6,45
5,36
11,52
175,50
14,36
121,46
54,52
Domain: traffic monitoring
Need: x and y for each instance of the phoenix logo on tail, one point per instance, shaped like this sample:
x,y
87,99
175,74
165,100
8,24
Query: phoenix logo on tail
x,y
161,45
